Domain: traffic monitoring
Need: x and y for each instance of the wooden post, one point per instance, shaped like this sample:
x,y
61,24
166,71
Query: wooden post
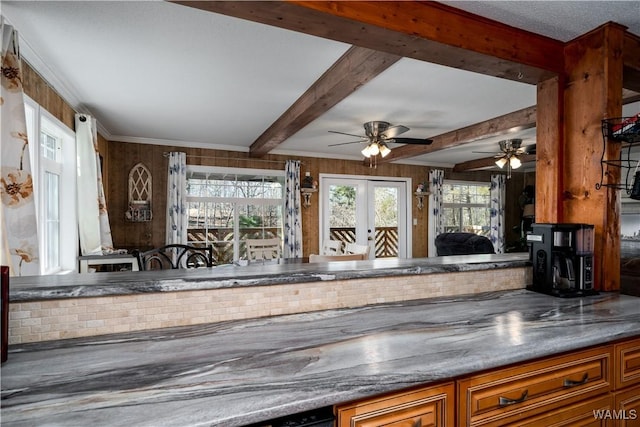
x,y
549,150
593,92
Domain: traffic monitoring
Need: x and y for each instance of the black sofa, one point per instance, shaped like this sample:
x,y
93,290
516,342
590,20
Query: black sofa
x,y
463,244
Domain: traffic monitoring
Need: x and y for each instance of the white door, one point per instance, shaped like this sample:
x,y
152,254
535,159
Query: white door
x,y
367,212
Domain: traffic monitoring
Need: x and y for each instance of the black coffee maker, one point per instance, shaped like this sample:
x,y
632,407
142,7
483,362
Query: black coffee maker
x,y
562,257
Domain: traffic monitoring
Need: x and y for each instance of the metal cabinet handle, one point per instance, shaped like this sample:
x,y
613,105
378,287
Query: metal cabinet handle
x,y
571,383
503,401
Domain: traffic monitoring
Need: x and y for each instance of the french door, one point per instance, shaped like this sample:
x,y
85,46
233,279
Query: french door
x,y
368,212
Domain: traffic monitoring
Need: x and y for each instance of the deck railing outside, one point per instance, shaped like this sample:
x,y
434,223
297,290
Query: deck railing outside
x,y
221,239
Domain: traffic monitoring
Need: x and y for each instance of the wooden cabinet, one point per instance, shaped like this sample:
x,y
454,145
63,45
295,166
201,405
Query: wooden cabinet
x,y
599,386
627,364
431,406
627,384
509,395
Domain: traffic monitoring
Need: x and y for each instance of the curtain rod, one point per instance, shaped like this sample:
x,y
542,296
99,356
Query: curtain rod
x,y
166,154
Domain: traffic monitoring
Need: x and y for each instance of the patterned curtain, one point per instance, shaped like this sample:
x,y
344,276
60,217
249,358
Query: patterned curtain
x,y
19,226
436,226
292,215
93,219
496,233
177,199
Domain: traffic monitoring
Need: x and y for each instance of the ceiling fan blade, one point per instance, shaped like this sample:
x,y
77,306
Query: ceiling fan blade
x,y
350,134
345,143
417,141
393,131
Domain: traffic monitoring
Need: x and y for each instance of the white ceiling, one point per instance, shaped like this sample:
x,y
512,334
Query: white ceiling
x,y
157,72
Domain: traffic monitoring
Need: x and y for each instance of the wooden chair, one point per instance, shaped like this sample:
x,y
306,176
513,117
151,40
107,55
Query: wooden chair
x,y
175,256
263,249
331,258
332,247
354,248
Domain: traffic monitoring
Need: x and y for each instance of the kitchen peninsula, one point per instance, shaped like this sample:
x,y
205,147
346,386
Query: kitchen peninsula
x,y
240,372
80,305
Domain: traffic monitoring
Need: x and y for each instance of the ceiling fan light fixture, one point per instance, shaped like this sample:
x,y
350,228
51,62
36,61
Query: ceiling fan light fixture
x,y
374,149
384,150
501,162
366,152
515,162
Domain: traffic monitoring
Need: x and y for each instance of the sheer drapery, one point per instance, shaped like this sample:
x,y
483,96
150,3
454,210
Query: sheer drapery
x,y
177,219
93,220
19,224
292,213
497,195
436,181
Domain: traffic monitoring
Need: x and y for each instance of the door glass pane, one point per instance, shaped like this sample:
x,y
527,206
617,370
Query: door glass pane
x,y
386,221
342,213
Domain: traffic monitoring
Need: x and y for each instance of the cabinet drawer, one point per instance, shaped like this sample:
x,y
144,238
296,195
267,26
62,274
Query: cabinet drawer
x,y
627,364
590,413
432,406
498,397
628,407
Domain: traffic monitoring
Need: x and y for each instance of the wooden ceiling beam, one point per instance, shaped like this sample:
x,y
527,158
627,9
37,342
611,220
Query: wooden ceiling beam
x,y
353,69
487,162
426,31
501,125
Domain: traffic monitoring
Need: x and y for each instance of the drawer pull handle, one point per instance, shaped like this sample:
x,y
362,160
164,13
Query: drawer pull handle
x,y
571,383
503,401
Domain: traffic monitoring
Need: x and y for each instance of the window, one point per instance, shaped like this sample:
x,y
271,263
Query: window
x,y
466,207
228,206
52,150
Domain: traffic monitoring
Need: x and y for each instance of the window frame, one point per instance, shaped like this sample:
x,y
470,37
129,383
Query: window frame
x,y
460,206
41,121
237,202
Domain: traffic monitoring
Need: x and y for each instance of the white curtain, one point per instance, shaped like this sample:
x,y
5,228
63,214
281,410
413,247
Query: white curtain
x,y
19,226
436,181
496,233
177,199
93,220
292,212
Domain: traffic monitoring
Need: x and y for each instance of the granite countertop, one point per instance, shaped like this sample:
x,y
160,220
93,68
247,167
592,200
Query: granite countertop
x,y
37,288
235,373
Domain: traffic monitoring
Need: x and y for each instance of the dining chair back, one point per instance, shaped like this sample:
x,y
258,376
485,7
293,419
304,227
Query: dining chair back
x,y
332,247
175,256
263,249
332,258
354,248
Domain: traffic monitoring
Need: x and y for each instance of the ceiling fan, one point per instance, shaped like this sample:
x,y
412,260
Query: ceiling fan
x,y
510,150
377,135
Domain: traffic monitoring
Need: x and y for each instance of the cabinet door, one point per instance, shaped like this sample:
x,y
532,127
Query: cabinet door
x,y
627,364
628,407
502,396
432,406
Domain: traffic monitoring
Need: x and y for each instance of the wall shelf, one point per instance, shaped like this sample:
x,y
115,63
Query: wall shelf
x,y
623,130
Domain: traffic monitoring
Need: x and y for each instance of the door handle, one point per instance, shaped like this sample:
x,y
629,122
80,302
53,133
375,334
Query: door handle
x,y
503,401
570,383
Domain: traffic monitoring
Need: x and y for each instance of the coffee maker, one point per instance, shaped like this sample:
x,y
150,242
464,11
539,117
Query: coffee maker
x,y
562,257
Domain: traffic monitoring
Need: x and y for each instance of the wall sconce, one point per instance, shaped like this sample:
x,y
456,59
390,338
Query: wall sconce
x,y
306,196
307,188
420,193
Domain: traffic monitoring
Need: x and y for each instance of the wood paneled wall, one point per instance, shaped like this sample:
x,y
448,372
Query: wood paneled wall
x,y
122,156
